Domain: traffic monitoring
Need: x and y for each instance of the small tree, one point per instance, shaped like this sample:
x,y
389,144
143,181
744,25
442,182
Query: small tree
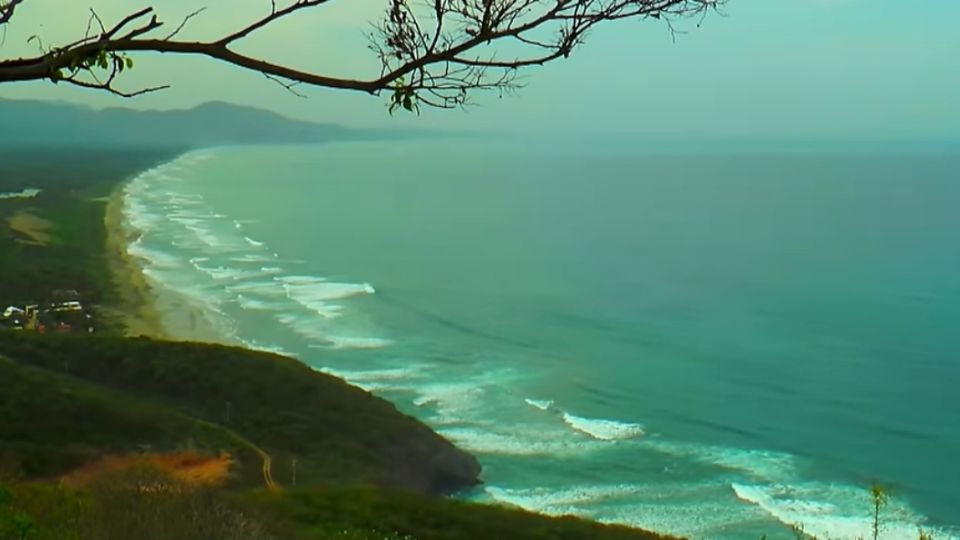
x,y
879,498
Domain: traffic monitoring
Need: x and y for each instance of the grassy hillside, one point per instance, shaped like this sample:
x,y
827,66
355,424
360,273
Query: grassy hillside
x,y
364,513
114,509
337,433
53,423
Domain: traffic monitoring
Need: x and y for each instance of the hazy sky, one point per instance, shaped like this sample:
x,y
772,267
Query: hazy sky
x,y
769,68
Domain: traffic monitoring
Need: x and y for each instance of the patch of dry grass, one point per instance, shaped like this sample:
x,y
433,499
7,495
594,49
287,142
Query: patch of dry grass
x,y
190,468
36,230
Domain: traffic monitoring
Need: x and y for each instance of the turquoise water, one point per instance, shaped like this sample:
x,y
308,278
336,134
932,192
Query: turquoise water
x,y
705,344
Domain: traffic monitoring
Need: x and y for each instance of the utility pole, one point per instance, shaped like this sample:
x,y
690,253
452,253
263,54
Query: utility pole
x,y
294,483
228,412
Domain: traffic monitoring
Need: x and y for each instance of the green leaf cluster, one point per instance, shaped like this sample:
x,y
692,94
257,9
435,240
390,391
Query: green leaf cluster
x,y
102,59
405,97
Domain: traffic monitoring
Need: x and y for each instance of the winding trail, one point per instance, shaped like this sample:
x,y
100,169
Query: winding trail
x,y
266,468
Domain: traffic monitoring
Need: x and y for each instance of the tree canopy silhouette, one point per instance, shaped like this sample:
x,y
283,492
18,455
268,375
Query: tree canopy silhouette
x,y
431,52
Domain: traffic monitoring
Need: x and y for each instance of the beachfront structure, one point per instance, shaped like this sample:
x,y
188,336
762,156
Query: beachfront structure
x,y
60,316
68,306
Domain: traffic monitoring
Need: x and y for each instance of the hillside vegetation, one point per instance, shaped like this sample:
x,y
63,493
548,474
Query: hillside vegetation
x,y
337,433
52,423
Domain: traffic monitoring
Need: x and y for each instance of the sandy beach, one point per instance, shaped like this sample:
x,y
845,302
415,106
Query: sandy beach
x,y
132,307
141,306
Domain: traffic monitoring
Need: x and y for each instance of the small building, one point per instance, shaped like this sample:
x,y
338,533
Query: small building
x,y
68,306
13,311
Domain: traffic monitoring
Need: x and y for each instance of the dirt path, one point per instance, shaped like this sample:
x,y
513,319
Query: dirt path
x,y
264,456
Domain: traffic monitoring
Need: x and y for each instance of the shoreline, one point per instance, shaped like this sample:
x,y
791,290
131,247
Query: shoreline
x,y
141,306
132,308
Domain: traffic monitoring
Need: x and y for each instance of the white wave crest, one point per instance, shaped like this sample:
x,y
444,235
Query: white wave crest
x,y
315,293
486,441
252,258
761,465
389,374
374,379
254,304
562,501
542,404
358,342
605,430
307,326
262,288
206,236
257,346
451,401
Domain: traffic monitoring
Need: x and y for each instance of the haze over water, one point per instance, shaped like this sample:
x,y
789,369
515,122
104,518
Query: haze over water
x,y
705,343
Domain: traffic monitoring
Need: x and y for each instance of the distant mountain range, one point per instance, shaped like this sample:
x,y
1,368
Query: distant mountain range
x,y
48,123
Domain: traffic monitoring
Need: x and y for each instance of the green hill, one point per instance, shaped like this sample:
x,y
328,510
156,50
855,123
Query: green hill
x,y
52,423
26,123
337,433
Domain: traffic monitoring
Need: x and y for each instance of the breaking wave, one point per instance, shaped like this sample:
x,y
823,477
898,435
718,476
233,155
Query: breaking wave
x,y
604,430
833,511
192,249
542,404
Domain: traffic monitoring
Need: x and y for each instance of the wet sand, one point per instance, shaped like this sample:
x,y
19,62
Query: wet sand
x,y
141,306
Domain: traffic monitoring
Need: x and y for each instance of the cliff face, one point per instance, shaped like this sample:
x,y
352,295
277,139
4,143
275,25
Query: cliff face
x,y
331,433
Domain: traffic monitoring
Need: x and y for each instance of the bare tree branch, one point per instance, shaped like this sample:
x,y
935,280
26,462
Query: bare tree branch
x,y
7,8
434,52
118,92
290,86
272,17
184,22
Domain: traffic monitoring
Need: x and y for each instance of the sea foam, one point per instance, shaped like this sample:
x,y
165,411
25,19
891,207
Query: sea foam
x,y
316,293
542,404
526,441
375,379
832,511
602,429
559,500
357,342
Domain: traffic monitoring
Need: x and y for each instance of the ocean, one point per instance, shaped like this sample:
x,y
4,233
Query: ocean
x,y
712,343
